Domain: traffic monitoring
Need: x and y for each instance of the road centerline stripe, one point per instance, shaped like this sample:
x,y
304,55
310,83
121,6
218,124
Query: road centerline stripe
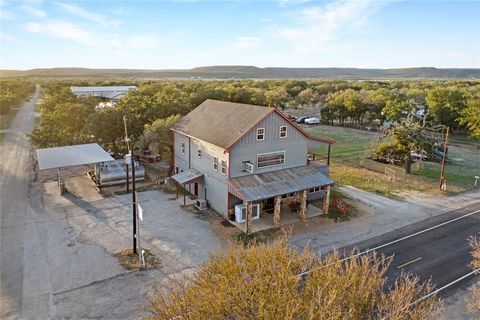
x,y
409,262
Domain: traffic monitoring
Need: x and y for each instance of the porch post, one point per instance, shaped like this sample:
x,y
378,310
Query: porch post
x,y
184,195
276,212
328,158
303,205
248,218
177,189
326,200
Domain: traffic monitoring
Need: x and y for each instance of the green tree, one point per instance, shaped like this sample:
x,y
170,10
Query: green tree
x,y
446,105
470,116
277,97
159,133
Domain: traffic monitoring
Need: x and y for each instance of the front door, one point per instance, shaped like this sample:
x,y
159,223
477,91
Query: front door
x,y
195,190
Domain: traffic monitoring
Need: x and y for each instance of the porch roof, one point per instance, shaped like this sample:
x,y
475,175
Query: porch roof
x,y
275,183
189,176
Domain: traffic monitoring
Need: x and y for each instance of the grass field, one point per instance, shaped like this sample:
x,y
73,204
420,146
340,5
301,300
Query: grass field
x,y
350,165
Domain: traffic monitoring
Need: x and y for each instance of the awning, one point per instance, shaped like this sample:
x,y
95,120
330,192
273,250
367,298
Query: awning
x,y
68,156
275,183
189,176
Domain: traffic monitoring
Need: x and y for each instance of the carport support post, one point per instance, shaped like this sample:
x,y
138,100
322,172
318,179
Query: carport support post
x,y
276,211
303,205
326,200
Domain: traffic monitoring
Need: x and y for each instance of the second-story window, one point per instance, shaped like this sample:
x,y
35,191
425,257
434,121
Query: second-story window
x,y
199,153
224,167
183,148
215,164
260,134
270,159
283,132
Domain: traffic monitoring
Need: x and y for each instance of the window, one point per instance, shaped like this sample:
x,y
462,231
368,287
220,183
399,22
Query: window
x,y
270,159
313,190
283,132
215,164
199,153
176,170
260,134
183,148
224,167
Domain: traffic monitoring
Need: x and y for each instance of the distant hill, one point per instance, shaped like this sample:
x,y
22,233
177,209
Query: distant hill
x,y
249,72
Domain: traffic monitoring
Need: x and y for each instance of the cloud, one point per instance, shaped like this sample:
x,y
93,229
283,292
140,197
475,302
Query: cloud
x,y
36,12
116,43
5,36
78,11
328,22
62,30
247,42
6,15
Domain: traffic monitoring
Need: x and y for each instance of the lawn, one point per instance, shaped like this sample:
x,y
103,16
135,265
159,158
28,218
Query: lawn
x,y
350,165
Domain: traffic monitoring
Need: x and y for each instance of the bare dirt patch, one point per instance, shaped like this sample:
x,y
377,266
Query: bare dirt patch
x,y
130,260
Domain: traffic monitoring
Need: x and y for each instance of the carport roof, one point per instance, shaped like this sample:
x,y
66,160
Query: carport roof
x,y
68,156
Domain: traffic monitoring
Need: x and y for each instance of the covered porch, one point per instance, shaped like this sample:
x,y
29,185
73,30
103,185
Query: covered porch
x,y
278,198
186,178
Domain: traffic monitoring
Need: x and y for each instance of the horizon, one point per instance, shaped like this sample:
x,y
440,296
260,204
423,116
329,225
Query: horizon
x,y
246,66
390,34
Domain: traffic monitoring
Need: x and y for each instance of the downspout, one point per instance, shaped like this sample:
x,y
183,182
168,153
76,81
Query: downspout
x,y
189,152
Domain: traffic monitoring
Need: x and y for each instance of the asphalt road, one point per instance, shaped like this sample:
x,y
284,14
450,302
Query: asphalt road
x,y
15,173
441,254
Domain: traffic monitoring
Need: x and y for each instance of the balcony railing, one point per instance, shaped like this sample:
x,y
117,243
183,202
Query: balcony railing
x,y
321,166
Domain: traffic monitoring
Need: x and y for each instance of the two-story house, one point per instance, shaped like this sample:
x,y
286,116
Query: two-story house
x,y
250,158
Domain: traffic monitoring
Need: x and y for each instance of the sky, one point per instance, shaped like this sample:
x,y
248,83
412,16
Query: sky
x,y
281,33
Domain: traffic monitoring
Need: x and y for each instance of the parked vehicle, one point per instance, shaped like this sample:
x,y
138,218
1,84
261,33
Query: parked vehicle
x,y
148,156
302,119
418,156
312,121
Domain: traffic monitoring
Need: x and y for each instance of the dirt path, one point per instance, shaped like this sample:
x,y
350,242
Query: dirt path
x,y
15,169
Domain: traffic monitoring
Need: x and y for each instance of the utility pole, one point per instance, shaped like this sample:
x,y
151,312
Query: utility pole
x,y
128,151
443,185
129,142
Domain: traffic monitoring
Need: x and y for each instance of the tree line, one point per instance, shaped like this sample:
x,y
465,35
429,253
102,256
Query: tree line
x,y
67,119
13,92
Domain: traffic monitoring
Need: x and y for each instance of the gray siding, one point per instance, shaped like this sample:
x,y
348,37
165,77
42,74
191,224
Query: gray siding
x,y
214,185
247,148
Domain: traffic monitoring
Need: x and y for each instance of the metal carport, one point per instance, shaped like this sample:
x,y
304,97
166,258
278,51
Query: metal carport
x,y
68,156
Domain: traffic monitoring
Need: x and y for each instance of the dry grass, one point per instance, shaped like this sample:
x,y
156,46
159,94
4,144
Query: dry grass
x,y
379,183
130,261
473,301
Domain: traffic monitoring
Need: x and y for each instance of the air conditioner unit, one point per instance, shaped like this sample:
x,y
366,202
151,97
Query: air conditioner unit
x,y
249,167
241,212
201,204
